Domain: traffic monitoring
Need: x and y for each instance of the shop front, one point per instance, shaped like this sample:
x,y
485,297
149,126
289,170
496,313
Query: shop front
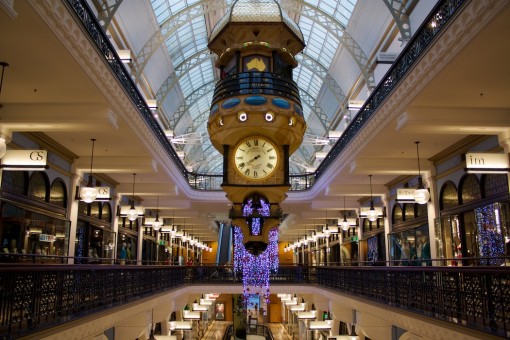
x,y
33,223
409,243
95,241
473,227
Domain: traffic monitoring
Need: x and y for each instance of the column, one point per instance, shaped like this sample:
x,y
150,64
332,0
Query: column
x,y
140,242
72,213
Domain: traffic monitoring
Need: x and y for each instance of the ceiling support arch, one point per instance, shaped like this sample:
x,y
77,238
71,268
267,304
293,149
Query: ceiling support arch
x,y
184,67
170,26
107,11
302,8
399,10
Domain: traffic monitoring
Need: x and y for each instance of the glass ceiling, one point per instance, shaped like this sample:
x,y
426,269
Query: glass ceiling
x,y
322,23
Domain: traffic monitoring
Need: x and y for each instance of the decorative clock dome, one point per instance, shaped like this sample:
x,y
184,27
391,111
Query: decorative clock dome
x,y
256,120
266,17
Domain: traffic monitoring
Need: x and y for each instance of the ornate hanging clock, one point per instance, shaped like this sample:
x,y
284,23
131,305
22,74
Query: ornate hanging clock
x,y
256,158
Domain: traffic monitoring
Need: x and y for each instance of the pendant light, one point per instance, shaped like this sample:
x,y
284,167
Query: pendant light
x,y
326,230
157,223
421,194
132,213
372,213
173,231
88,194
345,224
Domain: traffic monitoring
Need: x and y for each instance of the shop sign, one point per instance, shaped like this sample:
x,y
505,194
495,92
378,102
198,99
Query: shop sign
x,y
364,210
103,193
386,57
25,160
356,105
486,163
405,195
47,238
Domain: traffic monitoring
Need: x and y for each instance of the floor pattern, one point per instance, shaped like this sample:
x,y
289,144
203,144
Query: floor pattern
x,y
217,329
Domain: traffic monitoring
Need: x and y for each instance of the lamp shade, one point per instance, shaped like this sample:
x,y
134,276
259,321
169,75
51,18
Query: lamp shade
x,y
372,215
88,194
345,224
132,214
156,224
421,196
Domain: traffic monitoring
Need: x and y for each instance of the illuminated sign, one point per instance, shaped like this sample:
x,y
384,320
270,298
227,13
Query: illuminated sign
x,y
486,163
405,195
25,160
364,210
47,238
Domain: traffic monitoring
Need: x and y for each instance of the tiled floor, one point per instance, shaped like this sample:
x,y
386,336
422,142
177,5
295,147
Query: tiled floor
x,y
217,329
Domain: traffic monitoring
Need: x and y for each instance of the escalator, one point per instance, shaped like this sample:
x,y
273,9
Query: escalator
x,y
224,244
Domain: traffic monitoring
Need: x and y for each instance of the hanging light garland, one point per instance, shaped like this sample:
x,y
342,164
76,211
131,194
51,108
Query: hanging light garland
x,y
256,269
260,207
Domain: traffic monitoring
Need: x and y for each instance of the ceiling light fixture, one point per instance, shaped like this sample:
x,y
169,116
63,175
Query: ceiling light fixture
x,y
345,224
132,213
421,194
372,213
173,231
88,194
157,223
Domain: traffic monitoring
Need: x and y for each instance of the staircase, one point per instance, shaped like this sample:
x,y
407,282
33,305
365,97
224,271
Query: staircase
x,y
224,244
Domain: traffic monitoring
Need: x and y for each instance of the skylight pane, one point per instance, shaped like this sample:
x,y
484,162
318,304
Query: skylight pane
x,y
187,40
196,78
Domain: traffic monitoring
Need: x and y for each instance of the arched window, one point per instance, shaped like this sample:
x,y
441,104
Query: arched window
x,y
58,193
421,210
470,189
396,215
15,181
83,208
449,197
95,209
38,186
408,211
366,225
106,212
494,184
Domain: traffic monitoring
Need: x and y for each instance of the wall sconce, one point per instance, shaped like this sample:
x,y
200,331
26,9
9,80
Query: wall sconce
x,y
372,213
88,194
421,194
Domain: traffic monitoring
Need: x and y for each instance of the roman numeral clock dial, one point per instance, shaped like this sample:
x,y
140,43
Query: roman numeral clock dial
x,y
255,158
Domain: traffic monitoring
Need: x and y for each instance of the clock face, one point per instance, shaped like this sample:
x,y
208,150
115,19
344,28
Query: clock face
x,y
255,158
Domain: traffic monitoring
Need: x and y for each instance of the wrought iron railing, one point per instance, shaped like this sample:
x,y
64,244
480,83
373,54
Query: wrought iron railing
x,y
256,83
438,19
434,24
36,297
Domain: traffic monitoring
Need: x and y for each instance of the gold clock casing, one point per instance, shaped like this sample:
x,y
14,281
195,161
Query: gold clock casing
x,y
256,158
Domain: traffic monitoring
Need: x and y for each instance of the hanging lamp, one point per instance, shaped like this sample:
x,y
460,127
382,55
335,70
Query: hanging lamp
x,y
173,231
372,213
88,194
132,213
157,223
421,194
345,224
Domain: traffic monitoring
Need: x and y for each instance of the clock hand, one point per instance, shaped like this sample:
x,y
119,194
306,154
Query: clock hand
x,y
251,160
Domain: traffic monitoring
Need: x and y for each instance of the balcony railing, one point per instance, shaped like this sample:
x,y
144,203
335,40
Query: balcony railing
x,y
256,83
438,19
36,297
